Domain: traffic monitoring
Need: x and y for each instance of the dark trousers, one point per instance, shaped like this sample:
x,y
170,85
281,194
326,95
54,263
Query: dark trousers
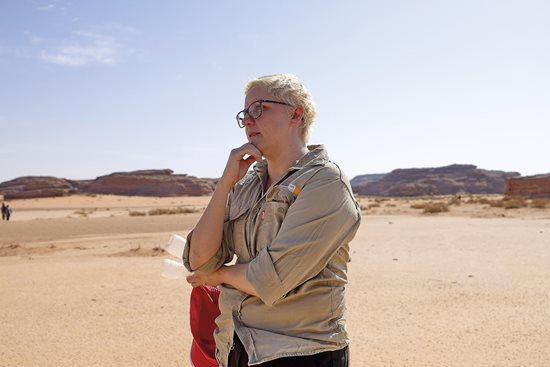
x,y
338,358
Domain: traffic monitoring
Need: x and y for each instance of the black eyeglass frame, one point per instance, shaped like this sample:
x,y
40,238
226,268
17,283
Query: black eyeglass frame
x,y
247,112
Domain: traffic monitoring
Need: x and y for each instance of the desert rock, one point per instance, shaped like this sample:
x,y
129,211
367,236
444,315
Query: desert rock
x,y
532,186
35,187
447,180
150,183
138,183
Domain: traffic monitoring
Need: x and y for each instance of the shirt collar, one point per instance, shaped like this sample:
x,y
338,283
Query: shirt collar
x,y
317,155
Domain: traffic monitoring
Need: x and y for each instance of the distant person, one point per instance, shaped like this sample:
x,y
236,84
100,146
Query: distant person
x,y
289,221
8,212
3,211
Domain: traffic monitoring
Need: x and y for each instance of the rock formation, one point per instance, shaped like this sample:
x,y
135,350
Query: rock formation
x,y
35,187
149,183
361,179
447,180
532,186
138,183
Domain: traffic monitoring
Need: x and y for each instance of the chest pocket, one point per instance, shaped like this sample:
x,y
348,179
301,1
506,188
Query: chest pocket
x,y
268,219
235,230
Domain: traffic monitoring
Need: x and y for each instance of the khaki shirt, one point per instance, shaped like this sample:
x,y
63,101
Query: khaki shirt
x,y
295,239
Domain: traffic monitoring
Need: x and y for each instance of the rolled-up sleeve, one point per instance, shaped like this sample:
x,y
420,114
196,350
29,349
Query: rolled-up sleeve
x,y
323,218
221,257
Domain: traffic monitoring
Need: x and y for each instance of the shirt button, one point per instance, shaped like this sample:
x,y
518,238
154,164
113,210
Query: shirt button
x,y
236,313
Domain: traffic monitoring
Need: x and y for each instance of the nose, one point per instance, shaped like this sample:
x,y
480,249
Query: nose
x,y
247,120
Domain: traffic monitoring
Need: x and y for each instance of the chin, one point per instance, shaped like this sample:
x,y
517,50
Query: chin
x,y
254,142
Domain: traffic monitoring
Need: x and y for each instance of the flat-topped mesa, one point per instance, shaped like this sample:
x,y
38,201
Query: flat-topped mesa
x,y
150,183
372,177
35,187
537,186
135,183
143,172
447,180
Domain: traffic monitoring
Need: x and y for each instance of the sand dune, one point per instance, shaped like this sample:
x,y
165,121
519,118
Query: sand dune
x,y
464,288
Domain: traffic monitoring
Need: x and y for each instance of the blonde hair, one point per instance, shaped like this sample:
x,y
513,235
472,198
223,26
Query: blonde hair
x,y
290,90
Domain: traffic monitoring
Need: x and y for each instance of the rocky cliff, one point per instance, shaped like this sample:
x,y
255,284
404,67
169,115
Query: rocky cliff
x,y
149,183
35,187
447,180
138,183
361,179
532,186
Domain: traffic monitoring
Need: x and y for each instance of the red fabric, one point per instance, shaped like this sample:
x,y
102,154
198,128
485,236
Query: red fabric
x,y
203,311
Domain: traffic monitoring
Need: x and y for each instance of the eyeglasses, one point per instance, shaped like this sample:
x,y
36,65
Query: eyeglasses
x,y
254,111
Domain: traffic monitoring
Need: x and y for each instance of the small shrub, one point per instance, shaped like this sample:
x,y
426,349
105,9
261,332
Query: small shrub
x,y
159,211
82,212
137,214
515,204
509,203
476,200
431,207
540,203
369,206
170,211
496,203
159,250
455,201
418,206
190,210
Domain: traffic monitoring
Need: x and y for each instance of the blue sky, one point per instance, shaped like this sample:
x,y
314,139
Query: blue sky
x,y
92,87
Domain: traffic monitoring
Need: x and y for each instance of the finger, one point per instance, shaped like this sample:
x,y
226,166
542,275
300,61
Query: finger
x,y
248,149
245,151
248,161
255,149
254,159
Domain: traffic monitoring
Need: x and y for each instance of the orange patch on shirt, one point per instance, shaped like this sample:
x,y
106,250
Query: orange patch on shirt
x,y
294,189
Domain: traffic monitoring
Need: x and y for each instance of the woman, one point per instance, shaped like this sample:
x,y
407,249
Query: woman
x,y
289,222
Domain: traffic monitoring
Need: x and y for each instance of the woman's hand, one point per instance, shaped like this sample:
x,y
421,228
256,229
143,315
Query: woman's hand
x,y
233,275
207,235
237,166
197,279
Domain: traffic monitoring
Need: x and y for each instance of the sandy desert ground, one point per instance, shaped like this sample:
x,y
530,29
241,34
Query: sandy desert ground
x,y
80,284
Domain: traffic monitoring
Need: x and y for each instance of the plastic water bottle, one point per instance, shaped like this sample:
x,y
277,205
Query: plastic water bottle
x,y
174,269
176,245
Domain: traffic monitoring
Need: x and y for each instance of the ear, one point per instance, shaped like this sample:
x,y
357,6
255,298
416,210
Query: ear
x,y
298,115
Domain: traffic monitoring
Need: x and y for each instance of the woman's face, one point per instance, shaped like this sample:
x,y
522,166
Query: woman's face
x,y
271,130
